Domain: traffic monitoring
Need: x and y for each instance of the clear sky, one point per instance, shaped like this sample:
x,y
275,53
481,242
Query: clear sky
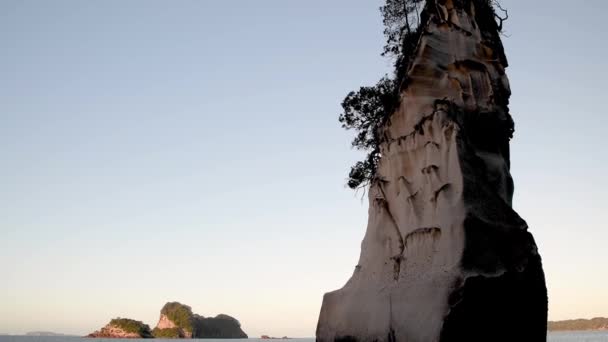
x,y
189,150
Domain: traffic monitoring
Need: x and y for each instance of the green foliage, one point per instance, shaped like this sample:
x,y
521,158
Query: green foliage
x,y
363,171
221,326
168,333
403,24
132,326
400,18
598,323
179,314
366,111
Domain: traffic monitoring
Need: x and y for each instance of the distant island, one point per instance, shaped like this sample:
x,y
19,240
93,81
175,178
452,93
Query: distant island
x,y
176,321
266,337
44,333
598,323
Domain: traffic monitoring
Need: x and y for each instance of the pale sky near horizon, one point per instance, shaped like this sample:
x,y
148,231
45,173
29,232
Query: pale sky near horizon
x,y
154,151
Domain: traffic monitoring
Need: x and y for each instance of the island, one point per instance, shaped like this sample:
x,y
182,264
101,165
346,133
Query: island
x,y
176,321
123,328
266,337
598,323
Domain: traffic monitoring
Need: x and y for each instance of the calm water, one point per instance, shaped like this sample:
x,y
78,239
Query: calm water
x,y
553,337
594,336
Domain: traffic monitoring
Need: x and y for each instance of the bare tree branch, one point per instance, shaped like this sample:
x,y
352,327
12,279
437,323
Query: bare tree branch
x,y
499,18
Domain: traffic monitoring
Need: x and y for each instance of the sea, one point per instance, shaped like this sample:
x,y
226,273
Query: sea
x,y
592,336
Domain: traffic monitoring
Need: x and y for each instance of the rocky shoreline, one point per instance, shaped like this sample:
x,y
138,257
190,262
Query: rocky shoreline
x,y
594,324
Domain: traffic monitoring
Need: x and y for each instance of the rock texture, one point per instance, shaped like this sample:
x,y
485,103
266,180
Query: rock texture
x,y
123,328
165,323
178,321
445,257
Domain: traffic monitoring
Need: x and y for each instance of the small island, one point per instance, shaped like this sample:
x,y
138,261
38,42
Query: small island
x,y
123,328
176,321
266,337
598,323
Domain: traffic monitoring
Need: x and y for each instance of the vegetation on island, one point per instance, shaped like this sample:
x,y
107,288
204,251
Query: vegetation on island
x,y
179,322
168,333
187,323
181,315
367,110
132,326
220,326
598,323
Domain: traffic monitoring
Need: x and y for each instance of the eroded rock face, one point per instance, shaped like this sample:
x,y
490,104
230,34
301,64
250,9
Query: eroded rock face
x,y
165,323
176,321
445,257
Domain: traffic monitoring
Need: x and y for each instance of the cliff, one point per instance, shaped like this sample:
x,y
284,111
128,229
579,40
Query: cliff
x,y
178,321
598,323
123,328
444,257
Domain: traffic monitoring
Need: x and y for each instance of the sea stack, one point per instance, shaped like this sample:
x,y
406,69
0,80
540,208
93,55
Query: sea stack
x,y
444,257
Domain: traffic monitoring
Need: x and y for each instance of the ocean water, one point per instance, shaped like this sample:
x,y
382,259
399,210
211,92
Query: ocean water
x,y
553,337
583,336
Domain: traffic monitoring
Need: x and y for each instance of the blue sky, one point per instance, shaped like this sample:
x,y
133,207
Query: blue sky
x,y
190,150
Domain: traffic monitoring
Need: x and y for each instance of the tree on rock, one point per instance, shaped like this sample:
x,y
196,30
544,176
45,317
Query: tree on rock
x,y
366,111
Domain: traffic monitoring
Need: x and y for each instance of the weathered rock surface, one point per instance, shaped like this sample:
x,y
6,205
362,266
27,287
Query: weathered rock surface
x,y
123,328
165,323
445,257
178,321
